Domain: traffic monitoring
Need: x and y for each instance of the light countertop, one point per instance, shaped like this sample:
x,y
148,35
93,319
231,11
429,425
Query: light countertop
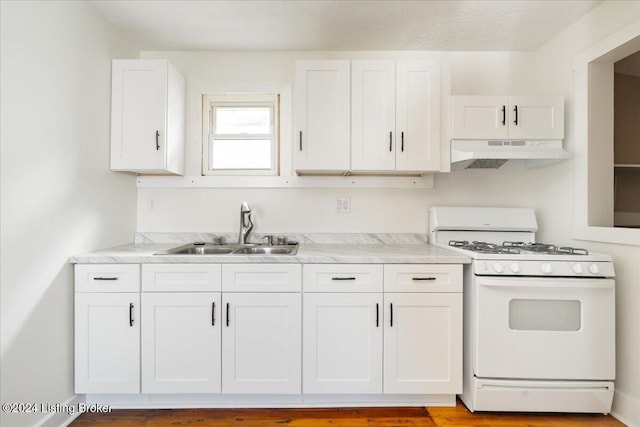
x,y
307,254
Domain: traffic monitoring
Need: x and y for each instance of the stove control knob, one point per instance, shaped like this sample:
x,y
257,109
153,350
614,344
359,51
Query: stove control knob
x,y
515,267
498,267
545,268
594,269
577,268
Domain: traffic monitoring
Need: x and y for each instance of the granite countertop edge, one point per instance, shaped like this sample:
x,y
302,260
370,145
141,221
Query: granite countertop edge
x,y
307,254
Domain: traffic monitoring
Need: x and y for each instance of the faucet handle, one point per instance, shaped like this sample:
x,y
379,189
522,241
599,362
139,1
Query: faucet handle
x,y
269,238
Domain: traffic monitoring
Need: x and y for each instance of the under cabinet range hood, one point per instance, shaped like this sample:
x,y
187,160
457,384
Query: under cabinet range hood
x,y
505,154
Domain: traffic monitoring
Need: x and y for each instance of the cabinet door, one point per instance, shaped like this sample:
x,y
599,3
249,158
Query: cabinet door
x,y
373,116
181,343
342,343
536,117
138,114
423,343
418,116
107,343
321,139
479,117
261,343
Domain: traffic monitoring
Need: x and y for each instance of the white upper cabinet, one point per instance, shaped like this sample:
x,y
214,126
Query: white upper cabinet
x,y
507,117
373,117
321,140
418,116
383,117
148,109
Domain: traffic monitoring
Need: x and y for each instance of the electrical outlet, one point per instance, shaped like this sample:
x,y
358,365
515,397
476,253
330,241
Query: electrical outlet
x,y
343,205
153,205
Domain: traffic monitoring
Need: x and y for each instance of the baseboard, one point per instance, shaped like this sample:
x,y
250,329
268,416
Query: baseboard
x,y
626,409
62,414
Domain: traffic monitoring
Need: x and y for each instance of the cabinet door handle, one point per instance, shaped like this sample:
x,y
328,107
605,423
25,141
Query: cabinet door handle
x,y
423,278
213,313
515,109
504,115
391,315
377,316
157,140
402,141
343,278
390,141
300,140
227,314
130,314
105,278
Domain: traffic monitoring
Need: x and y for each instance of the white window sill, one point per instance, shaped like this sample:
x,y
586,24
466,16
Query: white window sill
x,y
621,236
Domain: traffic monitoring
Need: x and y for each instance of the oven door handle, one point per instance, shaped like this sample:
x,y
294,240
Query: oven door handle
x,y
549,283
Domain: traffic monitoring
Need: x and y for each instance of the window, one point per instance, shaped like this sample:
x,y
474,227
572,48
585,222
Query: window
x,y
240,134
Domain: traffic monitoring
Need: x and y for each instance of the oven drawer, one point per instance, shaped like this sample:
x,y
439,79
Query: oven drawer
x,y
544,328
423,278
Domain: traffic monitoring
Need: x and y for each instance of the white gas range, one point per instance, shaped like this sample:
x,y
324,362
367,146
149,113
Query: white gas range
x,y
539,319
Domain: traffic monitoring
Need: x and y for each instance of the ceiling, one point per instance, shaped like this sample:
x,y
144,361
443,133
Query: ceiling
x,y
455,25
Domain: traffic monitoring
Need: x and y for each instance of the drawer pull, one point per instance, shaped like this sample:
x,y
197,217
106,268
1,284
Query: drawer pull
x,y
391,315
377,316
131,314
423,278
213,313
105,278
343,278
227,315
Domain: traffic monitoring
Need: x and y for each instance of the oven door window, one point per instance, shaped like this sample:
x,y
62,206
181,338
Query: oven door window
x,y
544,315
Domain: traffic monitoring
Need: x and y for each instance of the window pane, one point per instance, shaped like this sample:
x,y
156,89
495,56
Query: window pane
x,y
239,120
241,154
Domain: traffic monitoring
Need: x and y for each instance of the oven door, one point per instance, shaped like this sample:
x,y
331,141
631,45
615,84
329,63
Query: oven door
x,y
544,328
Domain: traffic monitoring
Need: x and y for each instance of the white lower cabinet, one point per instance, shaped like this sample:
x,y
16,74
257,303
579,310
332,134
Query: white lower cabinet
x,y
406,338
423,343
342,343
107,342
277,329
107,328
261,343
181,342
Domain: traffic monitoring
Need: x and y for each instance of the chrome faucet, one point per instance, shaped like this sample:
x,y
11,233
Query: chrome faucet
x,y
245,223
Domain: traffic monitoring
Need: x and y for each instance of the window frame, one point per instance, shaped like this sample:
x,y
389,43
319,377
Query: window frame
x,y
212,101
594,169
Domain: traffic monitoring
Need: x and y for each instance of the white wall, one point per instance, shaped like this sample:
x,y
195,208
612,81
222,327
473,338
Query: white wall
x,y
550,190
557,56
58,196
313,210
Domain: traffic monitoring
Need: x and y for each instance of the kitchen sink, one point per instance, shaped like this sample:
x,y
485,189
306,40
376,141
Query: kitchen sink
x,y
267,250
201,248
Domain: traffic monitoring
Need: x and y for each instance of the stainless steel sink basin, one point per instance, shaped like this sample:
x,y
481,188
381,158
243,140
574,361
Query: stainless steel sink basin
x,y
200,248
267,250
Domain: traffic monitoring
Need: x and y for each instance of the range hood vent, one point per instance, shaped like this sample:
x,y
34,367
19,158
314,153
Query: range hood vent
x,y
505,154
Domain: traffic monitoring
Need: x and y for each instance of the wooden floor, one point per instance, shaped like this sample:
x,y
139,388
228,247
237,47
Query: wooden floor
x,y
339,417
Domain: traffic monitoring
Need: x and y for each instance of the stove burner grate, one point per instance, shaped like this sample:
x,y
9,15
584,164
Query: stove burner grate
x,y
509,247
